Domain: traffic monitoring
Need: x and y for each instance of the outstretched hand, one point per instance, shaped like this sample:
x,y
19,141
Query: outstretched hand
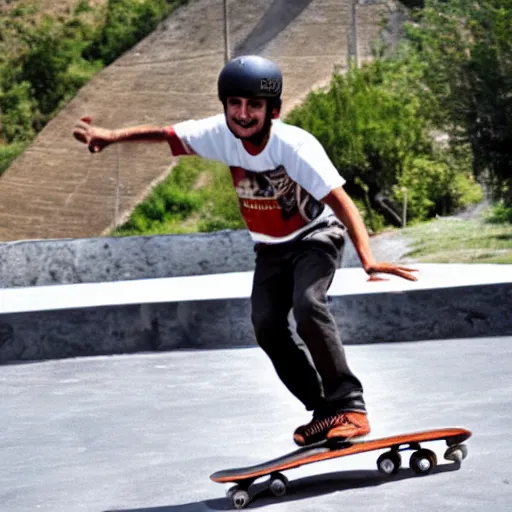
x,y
96,138
390,268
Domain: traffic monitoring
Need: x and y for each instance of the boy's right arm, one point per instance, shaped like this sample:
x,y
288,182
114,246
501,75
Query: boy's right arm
x,y
98,138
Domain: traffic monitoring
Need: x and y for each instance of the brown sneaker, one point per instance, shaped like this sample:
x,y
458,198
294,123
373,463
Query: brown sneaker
x,y
345,425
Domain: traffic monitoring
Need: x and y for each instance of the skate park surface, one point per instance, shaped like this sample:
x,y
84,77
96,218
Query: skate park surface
x,y
143,432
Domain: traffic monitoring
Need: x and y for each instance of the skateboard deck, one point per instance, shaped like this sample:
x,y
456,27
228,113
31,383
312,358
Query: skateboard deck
x,y
422,460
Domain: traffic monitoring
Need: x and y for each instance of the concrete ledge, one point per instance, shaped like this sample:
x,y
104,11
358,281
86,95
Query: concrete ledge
x,y
237,285
449,301
98,260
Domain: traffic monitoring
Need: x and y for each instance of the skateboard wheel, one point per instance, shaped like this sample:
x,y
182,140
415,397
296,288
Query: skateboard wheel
x,y
231,491
423,461
389,463
240,499
278,485
456,453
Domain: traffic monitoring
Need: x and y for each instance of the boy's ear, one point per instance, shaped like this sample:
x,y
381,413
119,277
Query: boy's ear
x,y
276,107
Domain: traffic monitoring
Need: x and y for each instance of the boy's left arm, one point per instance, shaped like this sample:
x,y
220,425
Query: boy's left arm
x,y
345,209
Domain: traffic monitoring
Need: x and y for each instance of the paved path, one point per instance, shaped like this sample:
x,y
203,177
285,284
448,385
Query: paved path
x,y
142,433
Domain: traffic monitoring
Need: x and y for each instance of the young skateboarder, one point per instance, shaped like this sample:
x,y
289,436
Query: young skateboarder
x,y
293,203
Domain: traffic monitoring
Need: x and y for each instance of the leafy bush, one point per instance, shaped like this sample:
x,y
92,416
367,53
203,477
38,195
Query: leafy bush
x,y
17,109
44,60
45,66
8,152
126,23
435,187
221,207
198,195
500,214
467,51
167,203
374,123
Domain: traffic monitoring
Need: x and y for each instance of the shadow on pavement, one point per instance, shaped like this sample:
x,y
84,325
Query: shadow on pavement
x,y
301,489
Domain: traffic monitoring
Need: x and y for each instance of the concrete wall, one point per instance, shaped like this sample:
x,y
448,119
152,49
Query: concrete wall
x,y
371,318
94,260
156,315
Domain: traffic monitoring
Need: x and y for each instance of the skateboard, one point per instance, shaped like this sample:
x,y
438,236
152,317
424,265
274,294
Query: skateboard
x,y
422,461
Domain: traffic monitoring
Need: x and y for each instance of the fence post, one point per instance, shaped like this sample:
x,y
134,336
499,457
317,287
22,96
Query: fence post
x,y
404,208
353,33
227,51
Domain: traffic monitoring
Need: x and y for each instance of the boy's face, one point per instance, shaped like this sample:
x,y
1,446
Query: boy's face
x,y
245,116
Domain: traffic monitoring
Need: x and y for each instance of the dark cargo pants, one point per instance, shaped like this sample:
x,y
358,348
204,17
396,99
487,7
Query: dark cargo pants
x,y
297,275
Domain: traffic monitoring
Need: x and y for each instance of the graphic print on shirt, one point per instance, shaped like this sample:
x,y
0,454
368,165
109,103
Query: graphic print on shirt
x,y
272,203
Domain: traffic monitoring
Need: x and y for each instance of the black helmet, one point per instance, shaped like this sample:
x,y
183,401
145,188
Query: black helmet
x,y
250,76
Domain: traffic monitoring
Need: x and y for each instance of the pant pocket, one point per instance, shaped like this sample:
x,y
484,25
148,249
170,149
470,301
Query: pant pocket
x,y
332,234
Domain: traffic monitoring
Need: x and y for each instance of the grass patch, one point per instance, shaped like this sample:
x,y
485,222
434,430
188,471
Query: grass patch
x,y
453,240
197,196
9,152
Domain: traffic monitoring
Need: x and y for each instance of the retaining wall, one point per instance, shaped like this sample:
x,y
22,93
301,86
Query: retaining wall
x,y
213,311
106,259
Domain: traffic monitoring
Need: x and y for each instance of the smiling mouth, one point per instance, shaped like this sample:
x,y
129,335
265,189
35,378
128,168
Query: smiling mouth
x,y
246,124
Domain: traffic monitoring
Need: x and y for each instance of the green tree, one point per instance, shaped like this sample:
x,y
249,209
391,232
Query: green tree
x,y
45,60
370,122
17,110
45,65
467,49
126,23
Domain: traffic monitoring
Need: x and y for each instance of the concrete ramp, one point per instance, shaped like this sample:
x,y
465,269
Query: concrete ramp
x,y
56,189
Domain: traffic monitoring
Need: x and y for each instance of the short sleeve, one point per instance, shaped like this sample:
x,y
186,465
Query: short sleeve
x,y
206,137
313,170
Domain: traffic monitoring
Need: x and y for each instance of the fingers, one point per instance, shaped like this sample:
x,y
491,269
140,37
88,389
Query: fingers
x,y
373,277
80,130
388,268
407,269
405,274
82,133
79,135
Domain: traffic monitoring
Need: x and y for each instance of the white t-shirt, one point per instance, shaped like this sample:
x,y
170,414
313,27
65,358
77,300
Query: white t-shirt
x,y
279,189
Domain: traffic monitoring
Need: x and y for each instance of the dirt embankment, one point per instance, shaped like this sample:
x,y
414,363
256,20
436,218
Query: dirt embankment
x,y
56,189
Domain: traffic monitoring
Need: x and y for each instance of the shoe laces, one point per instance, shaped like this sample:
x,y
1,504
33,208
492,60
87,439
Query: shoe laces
x,y
318,425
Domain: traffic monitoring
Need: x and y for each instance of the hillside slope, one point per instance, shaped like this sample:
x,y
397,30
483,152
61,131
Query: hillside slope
x,y
56,189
